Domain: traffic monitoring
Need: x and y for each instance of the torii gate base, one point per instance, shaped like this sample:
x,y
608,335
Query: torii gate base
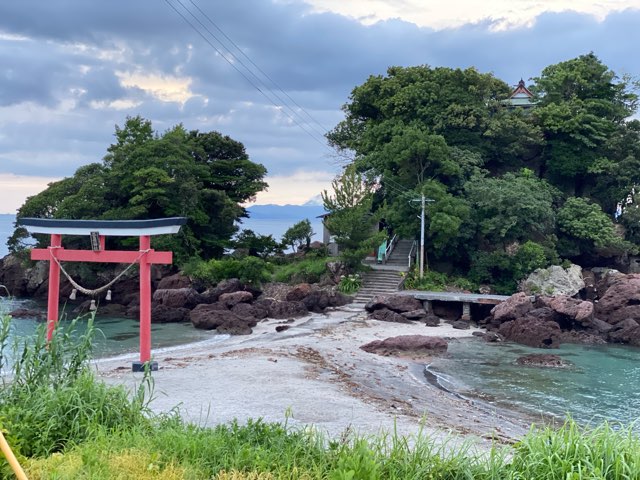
x,y
145,257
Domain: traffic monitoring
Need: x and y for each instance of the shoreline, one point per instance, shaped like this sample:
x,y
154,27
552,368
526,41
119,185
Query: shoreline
x,y
314,373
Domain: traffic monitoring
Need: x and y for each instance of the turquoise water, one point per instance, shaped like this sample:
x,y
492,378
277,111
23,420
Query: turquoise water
x,y
114,336
602,383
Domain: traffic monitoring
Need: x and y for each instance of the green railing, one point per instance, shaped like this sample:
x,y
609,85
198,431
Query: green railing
x,y
382,251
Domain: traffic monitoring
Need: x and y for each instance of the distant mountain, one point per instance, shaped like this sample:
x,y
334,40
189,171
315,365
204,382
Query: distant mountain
x,y
314,201
293,213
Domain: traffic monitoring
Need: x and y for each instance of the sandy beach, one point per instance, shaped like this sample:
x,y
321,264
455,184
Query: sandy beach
x,y
314,373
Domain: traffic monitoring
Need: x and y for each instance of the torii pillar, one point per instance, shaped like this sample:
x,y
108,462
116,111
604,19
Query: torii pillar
x,y
98,230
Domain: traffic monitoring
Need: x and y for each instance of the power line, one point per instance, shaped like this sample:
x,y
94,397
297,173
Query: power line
x,y
273,82
251,82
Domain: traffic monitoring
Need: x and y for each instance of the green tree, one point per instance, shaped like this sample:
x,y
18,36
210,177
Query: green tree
x,y
147,175
582,107
299,235
349,218
512,208
261,246
585,228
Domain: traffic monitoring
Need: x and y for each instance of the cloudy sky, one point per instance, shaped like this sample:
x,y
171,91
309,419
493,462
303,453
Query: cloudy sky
x,y
73,69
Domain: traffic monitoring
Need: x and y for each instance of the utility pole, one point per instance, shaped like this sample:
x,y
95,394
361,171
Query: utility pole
x,y
422,239
423,202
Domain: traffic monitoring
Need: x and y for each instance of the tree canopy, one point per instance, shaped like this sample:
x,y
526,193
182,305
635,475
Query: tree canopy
x,y
500,176
144,175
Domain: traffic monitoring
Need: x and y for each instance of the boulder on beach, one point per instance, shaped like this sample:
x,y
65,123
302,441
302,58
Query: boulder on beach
x,y
554,280
177,297
621,300
398,303
230,300
164,314
536,329
282,309
514,307
408,346
177,280
386,315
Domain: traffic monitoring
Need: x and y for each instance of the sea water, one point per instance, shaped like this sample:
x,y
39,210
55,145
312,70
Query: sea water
x,y
113,335
602,382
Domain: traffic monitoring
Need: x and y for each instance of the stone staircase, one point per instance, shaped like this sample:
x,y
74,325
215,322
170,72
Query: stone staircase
x,y
400,255
384,279
378,282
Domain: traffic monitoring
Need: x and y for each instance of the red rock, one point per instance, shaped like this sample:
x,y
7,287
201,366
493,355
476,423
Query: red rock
x,y
413,346
177,298
229,300
579,311
535,330
174,281
386,315
399,303
514,307
621,300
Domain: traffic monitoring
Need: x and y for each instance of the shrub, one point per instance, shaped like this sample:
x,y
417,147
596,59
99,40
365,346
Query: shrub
x,y
308,270
249,270
503,271
350,283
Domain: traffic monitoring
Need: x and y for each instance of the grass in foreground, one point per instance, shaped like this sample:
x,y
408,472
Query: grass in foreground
x,y
66,424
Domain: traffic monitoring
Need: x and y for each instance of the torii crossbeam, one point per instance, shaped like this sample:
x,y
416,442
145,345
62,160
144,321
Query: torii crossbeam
x,y
98,230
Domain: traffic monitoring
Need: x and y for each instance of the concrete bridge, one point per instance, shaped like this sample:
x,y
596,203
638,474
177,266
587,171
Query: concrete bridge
x,y
466,299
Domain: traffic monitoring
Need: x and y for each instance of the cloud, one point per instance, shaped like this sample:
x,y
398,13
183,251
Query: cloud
x,y
15,188
296,189
502,14
75,69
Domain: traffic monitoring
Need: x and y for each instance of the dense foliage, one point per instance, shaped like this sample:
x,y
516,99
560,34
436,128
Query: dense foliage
x,y
144,175
561,174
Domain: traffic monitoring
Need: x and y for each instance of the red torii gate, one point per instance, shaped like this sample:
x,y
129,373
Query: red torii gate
x,y
98,230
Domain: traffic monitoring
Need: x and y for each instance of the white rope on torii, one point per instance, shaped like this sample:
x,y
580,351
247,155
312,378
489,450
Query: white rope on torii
x,y
99,290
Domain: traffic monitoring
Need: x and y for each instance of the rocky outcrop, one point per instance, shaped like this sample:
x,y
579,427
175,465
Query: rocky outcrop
x,y
621,300
418,315
547,322
554,280
230,300
13,275
177,297
175,281
386,315
408,346
514,307
399,303
569,310
282,309
164,314
543,360
212,295
535,329
626,331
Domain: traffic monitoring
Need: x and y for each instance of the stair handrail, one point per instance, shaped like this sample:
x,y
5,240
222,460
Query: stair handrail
x,y
412,252
390,247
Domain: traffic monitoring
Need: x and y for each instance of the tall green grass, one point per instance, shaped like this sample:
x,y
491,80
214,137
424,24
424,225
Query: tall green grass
x,y
49,396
